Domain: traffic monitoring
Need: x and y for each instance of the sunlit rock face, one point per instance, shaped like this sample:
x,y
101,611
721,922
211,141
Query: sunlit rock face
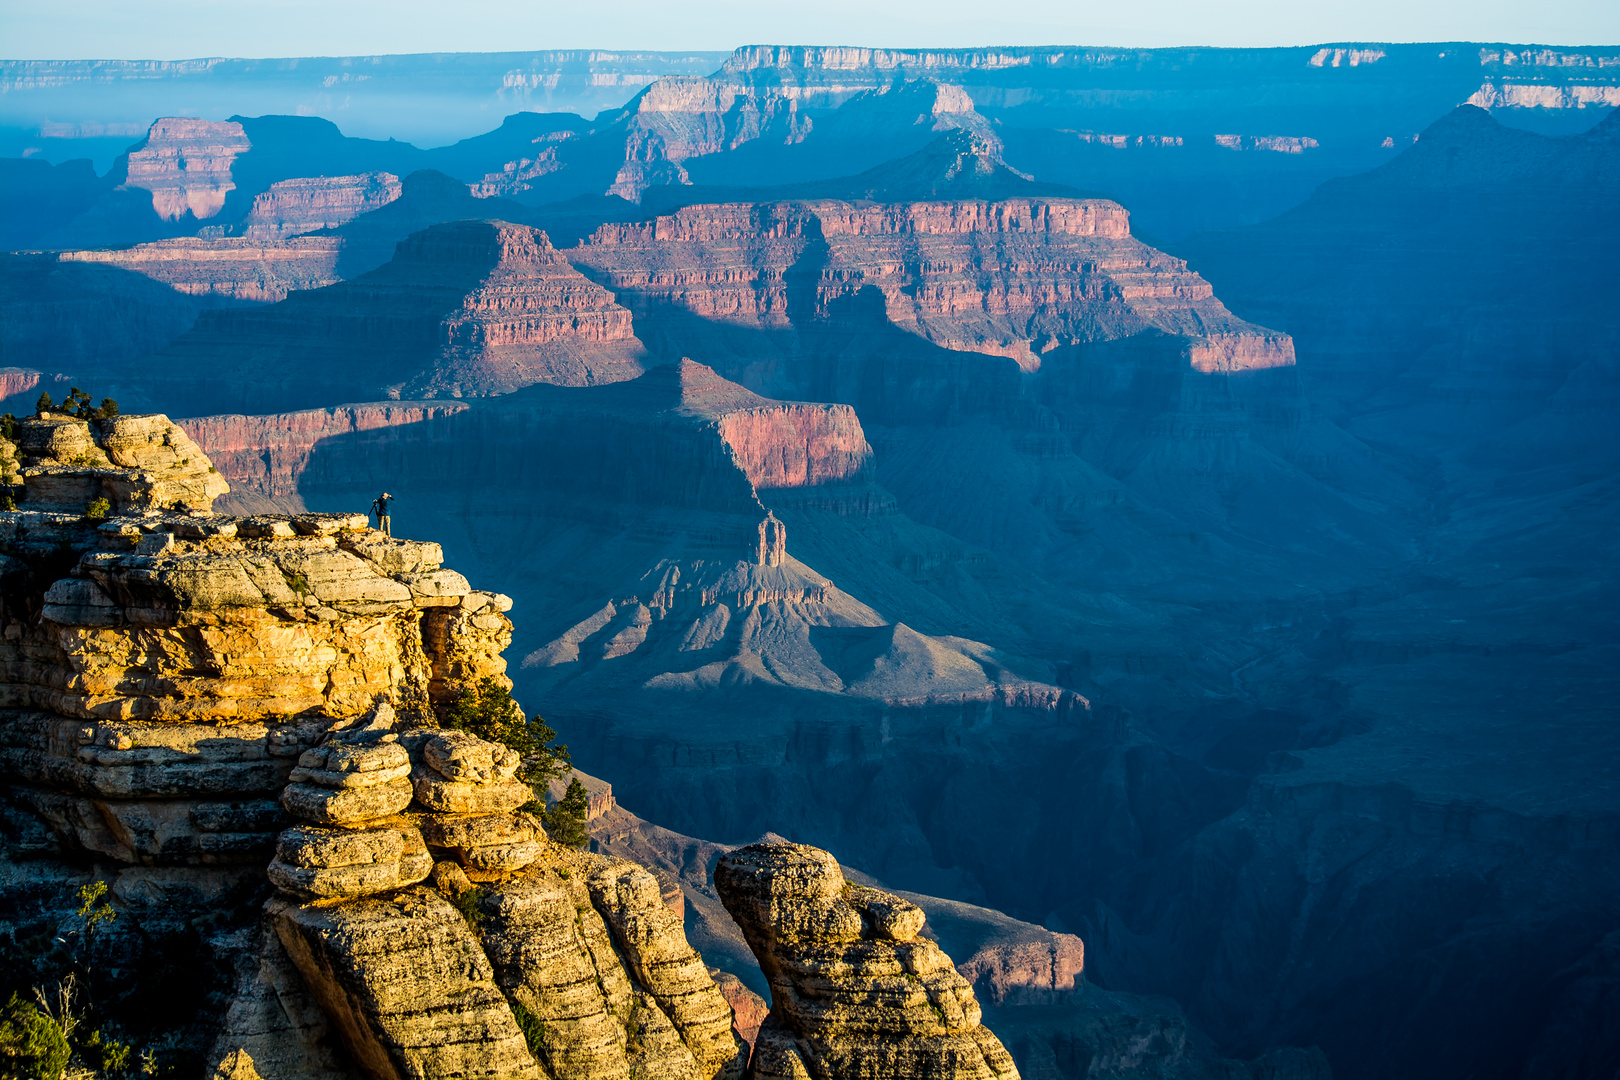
x,y
208,704
1017,278
186,164
230,268
309,203
830,952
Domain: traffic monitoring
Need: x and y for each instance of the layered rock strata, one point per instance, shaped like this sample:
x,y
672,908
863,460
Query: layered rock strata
x,y
266,455
598,975
186,164
1016,278
306,204
854,990
347,789
162,670
465,309
261,270
136,463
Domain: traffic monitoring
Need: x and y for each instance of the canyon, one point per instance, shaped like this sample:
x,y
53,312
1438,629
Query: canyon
x,y
1150,562
203,691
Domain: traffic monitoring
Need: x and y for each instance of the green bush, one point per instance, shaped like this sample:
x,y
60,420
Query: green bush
x,y
77,403
98,509
32,1047
489,712
534,1032
565,821
103,1054
94,907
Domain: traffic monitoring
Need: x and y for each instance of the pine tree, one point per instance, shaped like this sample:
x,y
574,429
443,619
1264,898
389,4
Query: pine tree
x,y
43,405
489,712
565,819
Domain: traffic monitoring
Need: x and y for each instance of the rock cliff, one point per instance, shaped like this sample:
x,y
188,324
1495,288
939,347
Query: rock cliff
x,y
83,314
188,696
307,204
264,456
186,164
465,309
1017,278
258,270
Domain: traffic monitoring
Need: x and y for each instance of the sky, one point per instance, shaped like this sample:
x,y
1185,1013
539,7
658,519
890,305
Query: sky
x,y
176,29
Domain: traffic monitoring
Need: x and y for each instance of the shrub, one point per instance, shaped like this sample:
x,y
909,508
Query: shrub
x,y
98,509
94,907
32,1047
77,404
104,1054
489,712
565,821
471,905
534,1031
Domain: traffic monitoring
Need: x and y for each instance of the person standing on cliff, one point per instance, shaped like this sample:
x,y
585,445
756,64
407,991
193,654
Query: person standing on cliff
x,y
379,506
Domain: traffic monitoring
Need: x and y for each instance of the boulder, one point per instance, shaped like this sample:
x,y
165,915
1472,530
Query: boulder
x,y
342,766
435,793
487,843
314,863
457,755
340,806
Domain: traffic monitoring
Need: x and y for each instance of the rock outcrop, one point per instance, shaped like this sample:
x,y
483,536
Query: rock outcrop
x,y
854,990
224,703
306,204
262,270
465,309
186,164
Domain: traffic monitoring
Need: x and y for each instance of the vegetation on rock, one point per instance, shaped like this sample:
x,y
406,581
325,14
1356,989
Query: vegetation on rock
x,y
565,819
32,1047
489,712
77,404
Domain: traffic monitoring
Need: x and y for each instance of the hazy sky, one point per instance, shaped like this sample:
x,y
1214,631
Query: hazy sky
x,y
170,29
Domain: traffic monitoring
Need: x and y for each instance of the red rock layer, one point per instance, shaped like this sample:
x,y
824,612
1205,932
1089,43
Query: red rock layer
x,y
292,207
186,164
236,267
777,444
267,454
17,381
1015,278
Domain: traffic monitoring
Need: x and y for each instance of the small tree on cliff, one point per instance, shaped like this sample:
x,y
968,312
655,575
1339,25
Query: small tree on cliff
x,y
565,819
489,712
